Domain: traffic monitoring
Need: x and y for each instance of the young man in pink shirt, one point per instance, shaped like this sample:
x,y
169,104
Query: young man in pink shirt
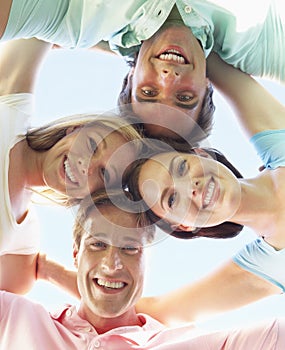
x,y
109,253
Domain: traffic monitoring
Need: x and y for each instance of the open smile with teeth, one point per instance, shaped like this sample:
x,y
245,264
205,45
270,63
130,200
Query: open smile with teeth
x,y
109,285
173,56
68,172
209,194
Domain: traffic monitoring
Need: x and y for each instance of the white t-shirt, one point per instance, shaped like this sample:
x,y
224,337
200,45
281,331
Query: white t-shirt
x,y
15,114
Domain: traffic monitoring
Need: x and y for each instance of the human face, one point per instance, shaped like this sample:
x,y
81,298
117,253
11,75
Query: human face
x,y
170,71
189,190
111,264
86,160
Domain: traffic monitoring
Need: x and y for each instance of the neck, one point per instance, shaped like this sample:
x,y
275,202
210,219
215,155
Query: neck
x,y
105,324
257,207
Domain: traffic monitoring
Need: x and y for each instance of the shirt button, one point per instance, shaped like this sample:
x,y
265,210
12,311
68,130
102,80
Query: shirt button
x,y
68,313
97,344
187,9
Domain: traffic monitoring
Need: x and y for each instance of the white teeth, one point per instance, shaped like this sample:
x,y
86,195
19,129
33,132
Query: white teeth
x,y
68,171
209,193
108,284
172,55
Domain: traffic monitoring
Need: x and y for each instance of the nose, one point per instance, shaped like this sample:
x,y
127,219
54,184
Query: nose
x,y
169,73
87,165
112,260
191,188
83,165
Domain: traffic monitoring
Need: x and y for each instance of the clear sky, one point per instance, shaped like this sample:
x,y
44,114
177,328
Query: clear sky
x,y
82,81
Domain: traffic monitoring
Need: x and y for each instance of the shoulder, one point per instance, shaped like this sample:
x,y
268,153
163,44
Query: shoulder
x,y
270,145
11,302
263,260
21,101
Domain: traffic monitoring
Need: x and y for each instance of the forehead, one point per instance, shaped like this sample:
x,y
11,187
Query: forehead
x,y
114,224
162,160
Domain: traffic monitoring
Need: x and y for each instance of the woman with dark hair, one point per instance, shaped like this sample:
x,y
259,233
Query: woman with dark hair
x,y
192,194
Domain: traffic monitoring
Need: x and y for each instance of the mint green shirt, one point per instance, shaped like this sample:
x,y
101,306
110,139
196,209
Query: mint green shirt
x,y
247,34
72,23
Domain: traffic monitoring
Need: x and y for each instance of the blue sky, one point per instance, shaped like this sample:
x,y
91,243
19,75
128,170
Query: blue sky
x,y
84,81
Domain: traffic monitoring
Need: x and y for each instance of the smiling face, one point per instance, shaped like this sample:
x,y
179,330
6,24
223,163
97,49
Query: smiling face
x,y
170,70
189,190
86,160
111,264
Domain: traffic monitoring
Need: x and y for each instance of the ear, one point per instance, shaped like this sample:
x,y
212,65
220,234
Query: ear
x,y
183,228
75,255
202,153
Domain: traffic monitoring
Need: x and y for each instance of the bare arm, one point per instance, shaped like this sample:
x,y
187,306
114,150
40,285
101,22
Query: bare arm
x,y
227,288
57,274
20,61
255,107
17,272
5,6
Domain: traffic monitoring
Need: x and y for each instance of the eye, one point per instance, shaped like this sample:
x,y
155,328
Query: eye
x,y
182,167
171,200
92,145
184,97
130,250
105,175
149,92
98,245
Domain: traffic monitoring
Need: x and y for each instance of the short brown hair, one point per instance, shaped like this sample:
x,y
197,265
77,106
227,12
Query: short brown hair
x,y
122,200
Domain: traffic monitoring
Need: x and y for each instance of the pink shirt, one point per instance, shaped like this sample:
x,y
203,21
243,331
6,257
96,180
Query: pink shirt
x,y
27,325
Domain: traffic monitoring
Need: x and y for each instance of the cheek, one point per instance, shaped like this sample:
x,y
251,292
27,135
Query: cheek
x,y
85,261
150,192
138,271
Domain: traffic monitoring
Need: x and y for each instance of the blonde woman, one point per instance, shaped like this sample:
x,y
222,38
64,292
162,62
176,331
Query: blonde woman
x,y
66,159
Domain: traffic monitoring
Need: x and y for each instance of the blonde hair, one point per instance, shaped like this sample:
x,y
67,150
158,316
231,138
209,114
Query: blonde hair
x,y
45,137
120,199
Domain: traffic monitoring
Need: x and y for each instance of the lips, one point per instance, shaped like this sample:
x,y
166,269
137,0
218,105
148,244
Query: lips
x,y
173,55
210,193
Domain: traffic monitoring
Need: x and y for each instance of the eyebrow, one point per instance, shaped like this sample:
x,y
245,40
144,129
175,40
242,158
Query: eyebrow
x,y
178,104
104,237
166,190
